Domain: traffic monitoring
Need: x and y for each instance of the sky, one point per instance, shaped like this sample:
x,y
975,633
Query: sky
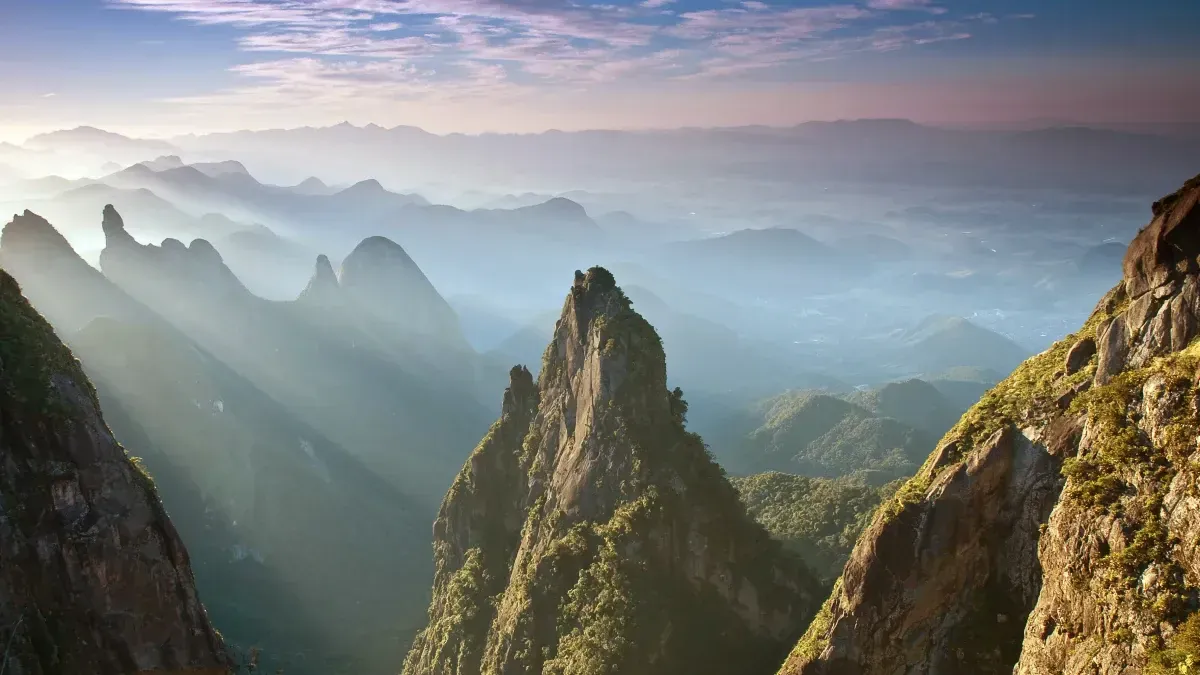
x,y
164,67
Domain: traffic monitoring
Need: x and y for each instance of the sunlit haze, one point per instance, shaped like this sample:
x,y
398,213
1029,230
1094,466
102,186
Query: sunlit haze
x,y
599,337
163,67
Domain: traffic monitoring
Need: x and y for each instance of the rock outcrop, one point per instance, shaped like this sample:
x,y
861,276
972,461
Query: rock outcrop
x,y
93,577
589,532
1055,528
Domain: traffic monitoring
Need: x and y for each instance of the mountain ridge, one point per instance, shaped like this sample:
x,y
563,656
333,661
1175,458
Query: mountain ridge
x,y
1052,529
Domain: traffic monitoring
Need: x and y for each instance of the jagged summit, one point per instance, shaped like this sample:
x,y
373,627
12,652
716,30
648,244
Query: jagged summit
x,y
323,288
1167,248
590,532
198,267
61,284
114,227
33,233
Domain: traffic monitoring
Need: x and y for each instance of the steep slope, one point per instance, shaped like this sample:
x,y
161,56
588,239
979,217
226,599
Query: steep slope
x,y
285,491
260,497
1054,530
381,277
589,532
94,577
403,415
68,291
818,518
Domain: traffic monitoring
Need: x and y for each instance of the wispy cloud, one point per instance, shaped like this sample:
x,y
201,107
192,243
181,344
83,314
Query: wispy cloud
x,y
907,5
397,49
49,95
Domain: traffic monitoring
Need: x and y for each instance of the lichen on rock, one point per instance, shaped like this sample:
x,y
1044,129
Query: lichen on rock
x,y
589,532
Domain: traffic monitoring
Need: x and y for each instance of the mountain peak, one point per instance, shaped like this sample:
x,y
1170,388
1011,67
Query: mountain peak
x,y
1169,246
381,277
33,233
114,227
323,287
590,485
364,187
142,269
560,207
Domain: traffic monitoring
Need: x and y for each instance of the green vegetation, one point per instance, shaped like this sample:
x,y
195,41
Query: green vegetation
x,y
818,518
816,638
1028,396
32,355
1181,655
815,434
628,565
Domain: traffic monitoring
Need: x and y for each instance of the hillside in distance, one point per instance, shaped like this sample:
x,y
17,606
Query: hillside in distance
x,y
1052,530
880,151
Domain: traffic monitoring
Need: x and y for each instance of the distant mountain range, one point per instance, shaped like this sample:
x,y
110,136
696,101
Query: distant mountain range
x,y
869,151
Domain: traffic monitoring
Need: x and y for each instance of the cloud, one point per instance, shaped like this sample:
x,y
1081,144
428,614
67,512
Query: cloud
x,y
335,50
906,5
49,95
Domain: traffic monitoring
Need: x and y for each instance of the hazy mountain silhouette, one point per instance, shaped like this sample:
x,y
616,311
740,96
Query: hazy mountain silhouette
x,y
405,418
262,498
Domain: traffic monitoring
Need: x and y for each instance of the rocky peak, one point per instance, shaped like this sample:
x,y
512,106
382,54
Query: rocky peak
x,y
323,286
114,228
521,391
33,234
93,575
1054,528
1167,249
1161,286
64,287
171,267
590,532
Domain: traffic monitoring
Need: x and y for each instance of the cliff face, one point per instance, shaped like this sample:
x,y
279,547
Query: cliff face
x,y
93,578
1055,528
261,498
589,532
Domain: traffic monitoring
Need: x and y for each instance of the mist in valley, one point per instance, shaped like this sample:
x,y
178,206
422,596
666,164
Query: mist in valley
x,y
645,338
304,350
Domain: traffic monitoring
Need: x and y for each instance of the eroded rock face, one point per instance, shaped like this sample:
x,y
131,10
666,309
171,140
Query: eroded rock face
x,y
93,578
1055,528
589,532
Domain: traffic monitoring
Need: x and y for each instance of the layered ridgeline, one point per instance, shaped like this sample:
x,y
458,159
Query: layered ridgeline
x,y
93,577
297,547
589,532
1056,528
396,390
